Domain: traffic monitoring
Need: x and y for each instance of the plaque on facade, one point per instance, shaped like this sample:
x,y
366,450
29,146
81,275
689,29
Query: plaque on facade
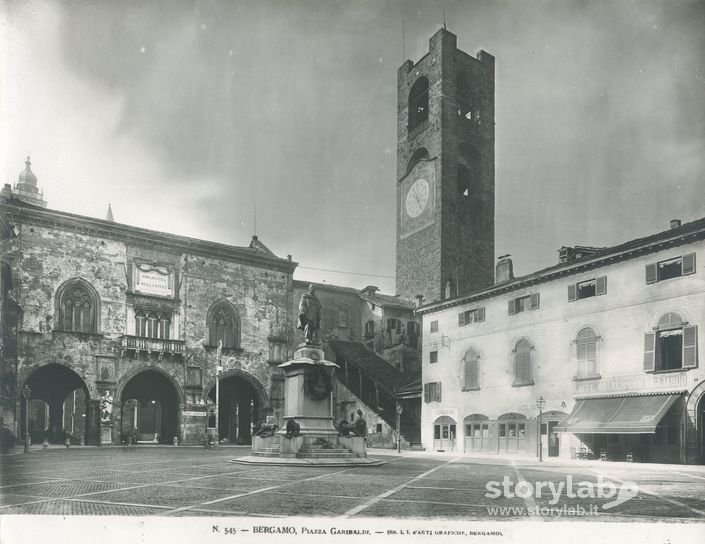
x,y
153,280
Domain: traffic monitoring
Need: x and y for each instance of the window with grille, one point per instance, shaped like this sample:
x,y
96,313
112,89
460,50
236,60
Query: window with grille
x,y
434,326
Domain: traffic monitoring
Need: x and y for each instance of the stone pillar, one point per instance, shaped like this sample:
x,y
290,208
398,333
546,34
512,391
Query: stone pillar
x,y
308,386
93,422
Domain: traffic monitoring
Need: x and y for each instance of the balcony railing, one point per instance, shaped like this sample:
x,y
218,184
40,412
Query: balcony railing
x,y
152,345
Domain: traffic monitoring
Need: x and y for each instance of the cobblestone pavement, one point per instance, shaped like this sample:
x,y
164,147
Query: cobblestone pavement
x,y
184,481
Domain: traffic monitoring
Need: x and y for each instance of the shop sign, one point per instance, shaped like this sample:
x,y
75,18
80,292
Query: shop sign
x,y
450,412
642,383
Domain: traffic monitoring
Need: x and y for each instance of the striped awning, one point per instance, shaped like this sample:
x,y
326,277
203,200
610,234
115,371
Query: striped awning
x,y
618,415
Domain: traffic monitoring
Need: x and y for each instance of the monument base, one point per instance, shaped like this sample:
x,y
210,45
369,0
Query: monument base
x,y
312,438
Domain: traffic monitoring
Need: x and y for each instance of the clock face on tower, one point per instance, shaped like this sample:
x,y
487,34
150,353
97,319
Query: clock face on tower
x,y
417,198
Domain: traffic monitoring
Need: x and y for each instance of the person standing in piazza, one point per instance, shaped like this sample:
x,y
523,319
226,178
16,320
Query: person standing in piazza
x,y
310,316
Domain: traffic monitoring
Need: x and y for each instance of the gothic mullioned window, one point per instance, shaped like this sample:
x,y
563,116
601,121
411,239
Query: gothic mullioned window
x,y
224,325
77,307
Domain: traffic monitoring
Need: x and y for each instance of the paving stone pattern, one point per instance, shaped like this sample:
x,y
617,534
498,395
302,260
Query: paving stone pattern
x,y
163,481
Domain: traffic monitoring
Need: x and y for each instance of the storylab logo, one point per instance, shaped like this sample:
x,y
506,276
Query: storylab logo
x,y
601,489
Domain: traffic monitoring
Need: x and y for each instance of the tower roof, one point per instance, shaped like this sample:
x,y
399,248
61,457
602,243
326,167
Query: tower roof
x,y
27,176
109,214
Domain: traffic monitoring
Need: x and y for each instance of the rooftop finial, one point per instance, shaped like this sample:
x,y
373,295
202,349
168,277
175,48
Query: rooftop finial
x,y
109,214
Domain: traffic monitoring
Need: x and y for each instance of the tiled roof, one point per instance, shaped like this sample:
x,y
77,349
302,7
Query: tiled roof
x,y
387,300
371,364
686,232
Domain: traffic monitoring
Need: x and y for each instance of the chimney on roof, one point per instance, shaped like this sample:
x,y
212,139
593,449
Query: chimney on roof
x,y
505,269
675,223
419,300
370,290
6,192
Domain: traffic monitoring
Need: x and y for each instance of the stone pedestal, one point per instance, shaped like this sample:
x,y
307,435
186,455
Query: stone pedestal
x,y
308,386
308,401
106,435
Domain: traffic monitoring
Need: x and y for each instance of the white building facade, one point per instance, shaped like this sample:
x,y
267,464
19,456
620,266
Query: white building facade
x,y
608,343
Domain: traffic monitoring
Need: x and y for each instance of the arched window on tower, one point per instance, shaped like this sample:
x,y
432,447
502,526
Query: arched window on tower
x,y
465,105
77,307
224,325
418,103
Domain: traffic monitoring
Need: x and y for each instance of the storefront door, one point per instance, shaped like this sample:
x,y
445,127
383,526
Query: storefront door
x,y
444,434
476,436
553,444
512,436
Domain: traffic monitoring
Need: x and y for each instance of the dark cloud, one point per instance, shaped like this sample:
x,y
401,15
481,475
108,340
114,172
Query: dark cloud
x,y
600,124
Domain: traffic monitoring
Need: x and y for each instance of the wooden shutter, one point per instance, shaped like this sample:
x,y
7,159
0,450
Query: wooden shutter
x,y
438,391
572,292
601,285
649,351
461,319
426,393
512,307
690,347
688,264
534,301
481,314
471,373
651,274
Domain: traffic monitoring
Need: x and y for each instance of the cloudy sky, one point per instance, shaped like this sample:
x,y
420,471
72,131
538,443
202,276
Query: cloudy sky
x,y
188,116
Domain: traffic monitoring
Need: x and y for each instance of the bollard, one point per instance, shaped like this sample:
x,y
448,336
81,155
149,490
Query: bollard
x,y
67,442
83,440
45,443
176,441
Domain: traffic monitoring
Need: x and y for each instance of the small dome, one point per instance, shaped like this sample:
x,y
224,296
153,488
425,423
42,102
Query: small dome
x,y
27,176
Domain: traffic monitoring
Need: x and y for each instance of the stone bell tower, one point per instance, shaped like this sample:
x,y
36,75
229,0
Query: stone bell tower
x,y
445,172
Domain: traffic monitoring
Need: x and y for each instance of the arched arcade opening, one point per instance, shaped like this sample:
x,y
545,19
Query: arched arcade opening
x,y
242,403
149,408
58,406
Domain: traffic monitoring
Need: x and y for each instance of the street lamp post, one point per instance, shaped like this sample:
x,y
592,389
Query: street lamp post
x,y
399,411
218,368
540,404
26,393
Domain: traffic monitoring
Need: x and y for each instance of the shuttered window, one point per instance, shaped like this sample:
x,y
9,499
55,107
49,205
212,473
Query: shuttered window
x,y
471,370
675,267
523,363
471,316
521,304
432,392
672,346
588,288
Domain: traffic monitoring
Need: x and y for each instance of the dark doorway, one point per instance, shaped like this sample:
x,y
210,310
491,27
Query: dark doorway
x,y
240,407
150,409
57,406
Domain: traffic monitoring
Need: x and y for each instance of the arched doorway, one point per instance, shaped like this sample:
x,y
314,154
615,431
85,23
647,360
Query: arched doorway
x,y
242,403
512,432
150,408
477,433
444,433
700,430
58,407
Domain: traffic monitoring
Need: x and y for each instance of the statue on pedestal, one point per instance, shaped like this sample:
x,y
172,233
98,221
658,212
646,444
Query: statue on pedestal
x,y
310,316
